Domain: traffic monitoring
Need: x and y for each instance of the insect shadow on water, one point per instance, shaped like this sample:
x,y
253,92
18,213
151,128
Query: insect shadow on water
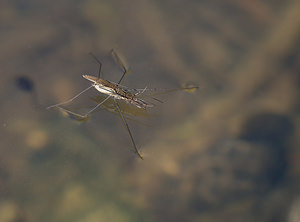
x,y
26,84
118,94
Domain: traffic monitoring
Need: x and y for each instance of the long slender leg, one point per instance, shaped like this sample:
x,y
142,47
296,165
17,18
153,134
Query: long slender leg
x,y
121,63
70,100
186,89
100,64
74,116
97,106
128,130
141,92
85,115
158,100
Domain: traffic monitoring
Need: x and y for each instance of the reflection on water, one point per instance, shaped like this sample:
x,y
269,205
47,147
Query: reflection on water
x,y
230,150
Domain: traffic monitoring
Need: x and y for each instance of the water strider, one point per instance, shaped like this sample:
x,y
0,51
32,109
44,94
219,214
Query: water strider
x,y
117,92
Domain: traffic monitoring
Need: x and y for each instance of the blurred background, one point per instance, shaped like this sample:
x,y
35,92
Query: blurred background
x,y
229,152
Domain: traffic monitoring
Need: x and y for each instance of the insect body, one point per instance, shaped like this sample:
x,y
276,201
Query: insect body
x,y
117,91
112,90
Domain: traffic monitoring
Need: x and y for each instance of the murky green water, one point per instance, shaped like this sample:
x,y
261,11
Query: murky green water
x,y
229,150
